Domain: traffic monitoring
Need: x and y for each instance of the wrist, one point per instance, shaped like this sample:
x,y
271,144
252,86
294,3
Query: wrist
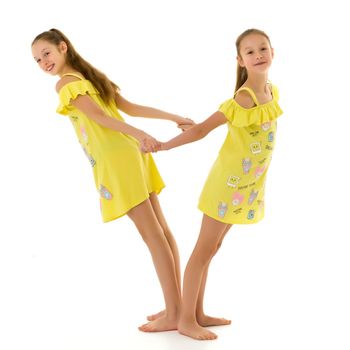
x,y
140,135
165,146
177,119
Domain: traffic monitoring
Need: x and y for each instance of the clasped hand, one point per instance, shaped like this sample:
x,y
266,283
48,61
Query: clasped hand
x,y
150,144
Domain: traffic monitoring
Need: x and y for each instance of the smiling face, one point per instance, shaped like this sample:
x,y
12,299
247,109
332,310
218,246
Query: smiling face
x,y
255,53
50,58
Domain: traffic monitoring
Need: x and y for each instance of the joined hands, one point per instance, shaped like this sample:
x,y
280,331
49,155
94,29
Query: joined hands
x,y
150,144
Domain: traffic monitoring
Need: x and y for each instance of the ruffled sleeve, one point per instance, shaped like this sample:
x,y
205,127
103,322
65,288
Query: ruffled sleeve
x,y
242,117
71,91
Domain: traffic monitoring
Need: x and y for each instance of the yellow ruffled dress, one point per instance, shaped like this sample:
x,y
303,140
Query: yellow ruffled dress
x,y
234,190
124,176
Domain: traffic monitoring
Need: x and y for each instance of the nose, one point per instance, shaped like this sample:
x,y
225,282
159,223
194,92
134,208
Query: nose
x,y
44,63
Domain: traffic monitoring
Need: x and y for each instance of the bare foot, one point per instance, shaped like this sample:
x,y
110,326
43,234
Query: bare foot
x,y
161,324
195,331
155,316
206,321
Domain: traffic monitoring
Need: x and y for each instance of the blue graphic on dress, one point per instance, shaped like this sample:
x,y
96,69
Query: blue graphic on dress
x,y
250,215
222,209
270,136
105,193
246,164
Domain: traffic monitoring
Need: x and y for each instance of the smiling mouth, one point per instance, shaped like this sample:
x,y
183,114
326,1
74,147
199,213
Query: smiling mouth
x,y
49,68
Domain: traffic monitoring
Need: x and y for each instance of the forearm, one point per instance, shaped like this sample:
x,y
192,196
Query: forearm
x,y
150,112
117,125
193,134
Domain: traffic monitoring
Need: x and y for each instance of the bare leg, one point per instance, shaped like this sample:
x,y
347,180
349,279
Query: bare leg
x,y
172,243
152,233
206,247
202,318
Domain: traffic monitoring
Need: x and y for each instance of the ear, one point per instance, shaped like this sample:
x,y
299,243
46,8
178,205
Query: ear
x,y
63,47
240,61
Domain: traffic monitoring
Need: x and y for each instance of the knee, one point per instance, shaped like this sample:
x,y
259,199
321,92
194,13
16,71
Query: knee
x,y
151,236
205,254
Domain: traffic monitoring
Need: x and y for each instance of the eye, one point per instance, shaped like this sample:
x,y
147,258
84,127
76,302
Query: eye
x,y
46,54
249,52
38,60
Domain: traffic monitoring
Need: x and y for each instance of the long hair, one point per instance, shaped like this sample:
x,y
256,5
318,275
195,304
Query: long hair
x,y
107,89
242,73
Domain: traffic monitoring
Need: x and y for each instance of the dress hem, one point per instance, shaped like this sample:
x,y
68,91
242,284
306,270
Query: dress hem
x,y
114,217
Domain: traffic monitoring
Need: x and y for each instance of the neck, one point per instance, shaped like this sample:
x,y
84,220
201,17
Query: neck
x,y
66,69
257,82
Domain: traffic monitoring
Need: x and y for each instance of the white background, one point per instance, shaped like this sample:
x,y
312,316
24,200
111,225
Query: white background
x,y
70,282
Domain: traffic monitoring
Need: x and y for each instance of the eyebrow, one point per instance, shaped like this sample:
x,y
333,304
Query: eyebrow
x,y
249,47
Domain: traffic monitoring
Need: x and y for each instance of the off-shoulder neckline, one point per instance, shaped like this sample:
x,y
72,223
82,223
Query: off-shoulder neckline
x,y
260,104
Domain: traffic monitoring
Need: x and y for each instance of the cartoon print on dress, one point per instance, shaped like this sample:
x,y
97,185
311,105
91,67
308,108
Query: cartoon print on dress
x,y
266,126
73,118
222,209
84,134
254,133
105,193
246,164
259,171
89,156
252,196
255,147
261,204
250,215
237,198
233,181
270,136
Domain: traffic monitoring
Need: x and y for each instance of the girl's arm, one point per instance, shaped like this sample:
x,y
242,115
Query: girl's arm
x,y
93,111
136,110
195,133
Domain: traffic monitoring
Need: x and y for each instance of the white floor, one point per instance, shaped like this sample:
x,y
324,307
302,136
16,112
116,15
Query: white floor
x,y
74,290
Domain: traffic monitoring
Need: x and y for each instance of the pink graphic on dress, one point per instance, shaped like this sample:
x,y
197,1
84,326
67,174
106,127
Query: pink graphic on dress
x,y
84,134
259,171
237,198
266,126
261,204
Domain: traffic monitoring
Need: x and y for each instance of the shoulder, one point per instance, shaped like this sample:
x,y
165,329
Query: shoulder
x,y
244,99
64,81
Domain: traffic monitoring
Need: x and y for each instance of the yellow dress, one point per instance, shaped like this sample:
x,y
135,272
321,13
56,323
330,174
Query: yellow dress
x,y
234,190
124,176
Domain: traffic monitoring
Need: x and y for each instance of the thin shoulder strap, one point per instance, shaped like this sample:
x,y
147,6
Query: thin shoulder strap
x,y
74,75
251,93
